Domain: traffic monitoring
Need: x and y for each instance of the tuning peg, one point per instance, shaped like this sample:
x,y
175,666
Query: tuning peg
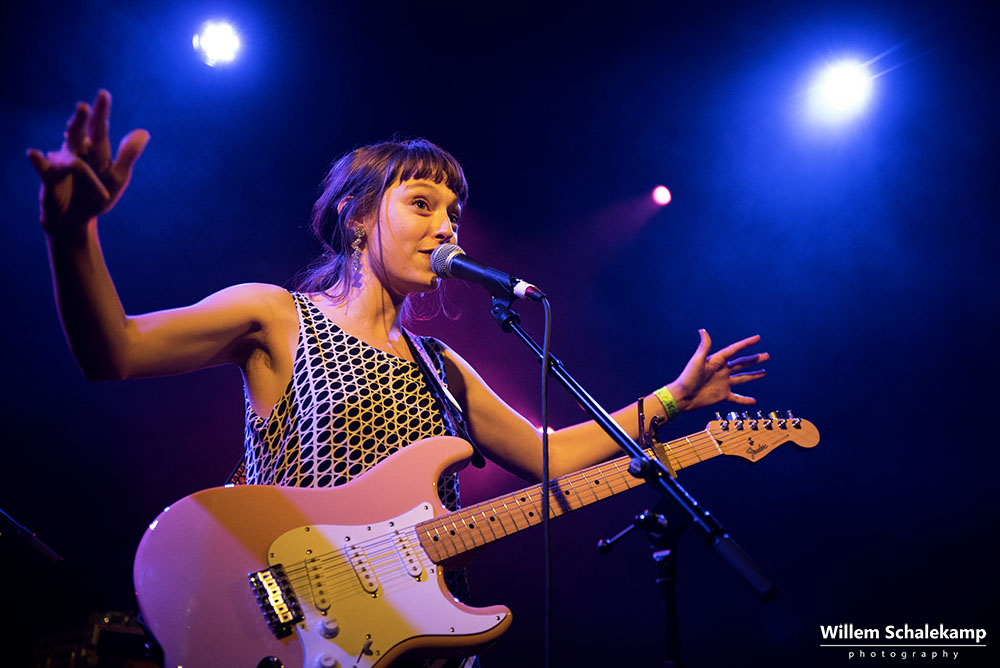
x,y
789,415
723,423
732,415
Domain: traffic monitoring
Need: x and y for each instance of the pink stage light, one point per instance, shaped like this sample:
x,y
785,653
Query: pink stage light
x,y
661,195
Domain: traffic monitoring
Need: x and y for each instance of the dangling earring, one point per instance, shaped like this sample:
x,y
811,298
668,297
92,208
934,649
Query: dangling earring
x,y
359,242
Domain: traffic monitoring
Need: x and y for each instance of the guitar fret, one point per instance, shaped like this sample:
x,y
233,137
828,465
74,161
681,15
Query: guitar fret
x,y
716,446
506,518
465,530
491,525
524,501
472,530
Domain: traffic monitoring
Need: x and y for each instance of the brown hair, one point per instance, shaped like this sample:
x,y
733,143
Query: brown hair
x,y
356,183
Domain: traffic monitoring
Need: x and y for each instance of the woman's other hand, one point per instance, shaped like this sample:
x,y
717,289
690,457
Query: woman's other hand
x,y
81,181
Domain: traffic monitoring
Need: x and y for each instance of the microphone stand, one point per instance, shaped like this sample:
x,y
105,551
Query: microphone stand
x,y
652,470
8,523
662,534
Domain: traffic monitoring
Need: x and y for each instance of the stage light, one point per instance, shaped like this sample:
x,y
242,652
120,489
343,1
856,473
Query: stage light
x,y
661,195
216,43
840,92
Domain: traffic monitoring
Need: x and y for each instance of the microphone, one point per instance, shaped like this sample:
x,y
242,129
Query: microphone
x,y
450,261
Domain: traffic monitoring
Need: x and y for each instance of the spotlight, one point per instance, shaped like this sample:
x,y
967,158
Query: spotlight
x,y
216,43
840,92
661,195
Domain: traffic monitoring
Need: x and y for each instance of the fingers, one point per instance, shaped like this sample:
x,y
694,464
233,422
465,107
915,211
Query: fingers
x,y
740,399
129,150
740,378
82,170
76,128
97,130
734,348
741,363
41,165
701,352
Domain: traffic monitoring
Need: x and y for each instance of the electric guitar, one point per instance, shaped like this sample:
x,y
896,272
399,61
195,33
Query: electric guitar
x,y
270,577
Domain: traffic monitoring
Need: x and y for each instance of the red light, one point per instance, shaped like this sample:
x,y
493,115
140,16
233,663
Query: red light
x,y
661,195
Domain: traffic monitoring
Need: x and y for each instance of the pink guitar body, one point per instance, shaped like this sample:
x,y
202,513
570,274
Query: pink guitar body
x,y
367,590
350,577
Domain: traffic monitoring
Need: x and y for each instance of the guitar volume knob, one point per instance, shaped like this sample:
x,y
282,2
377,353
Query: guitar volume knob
x,y
329,628
326,660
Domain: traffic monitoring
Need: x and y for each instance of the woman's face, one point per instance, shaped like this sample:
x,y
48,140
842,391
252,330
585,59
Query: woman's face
x,y
416,217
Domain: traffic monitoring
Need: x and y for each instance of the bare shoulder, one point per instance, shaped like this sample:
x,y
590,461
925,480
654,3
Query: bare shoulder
x,y
262,303
452,356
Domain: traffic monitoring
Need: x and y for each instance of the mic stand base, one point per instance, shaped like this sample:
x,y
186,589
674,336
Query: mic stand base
x,y
663,543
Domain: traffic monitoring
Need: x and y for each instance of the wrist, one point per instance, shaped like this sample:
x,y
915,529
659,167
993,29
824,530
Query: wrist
x,y
70,235
668,400
681,398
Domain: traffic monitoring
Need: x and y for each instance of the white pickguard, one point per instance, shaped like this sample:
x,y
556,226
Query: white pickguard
x,y
369,587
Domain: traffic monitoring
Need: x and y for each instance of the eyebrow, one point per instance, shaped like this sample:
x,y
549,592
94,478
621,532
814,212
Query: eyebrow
x,y
429,187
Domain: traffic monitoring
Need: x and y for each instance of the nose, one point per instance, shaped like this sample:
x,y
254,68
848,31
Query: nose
x,y
446,231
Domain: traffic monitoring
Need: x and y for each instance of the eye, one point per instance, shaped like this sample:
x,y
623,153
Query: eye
x,y
421,203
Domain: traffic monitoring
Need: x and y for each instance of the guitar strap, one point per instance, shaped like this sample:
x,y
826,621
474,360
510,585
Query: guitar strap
x,y
451,412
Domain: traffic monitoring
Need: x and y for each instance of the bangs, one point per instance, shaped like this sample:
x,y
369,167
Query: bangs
x,y
420,159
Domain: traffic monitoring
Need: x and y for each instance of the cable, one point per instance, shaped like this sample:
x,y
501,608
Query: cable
x,y
546,538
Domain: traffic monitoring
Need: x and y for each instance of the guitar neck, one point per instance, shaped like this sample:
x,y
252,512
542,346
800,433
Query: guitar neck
x,y
453,534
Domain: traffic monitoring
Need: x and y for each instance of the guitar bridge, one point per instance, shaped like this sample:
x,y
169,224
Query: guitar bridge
x,y
276,599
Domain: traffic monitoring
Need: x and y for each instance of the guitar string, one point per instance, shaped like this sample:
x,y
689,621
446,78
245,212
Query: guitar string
x,y
705,447
336,587
381,550
379,555
526,500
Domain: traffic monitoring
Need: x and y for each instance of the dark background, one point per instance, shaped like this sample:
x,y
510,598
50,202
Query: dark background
x,y
863,255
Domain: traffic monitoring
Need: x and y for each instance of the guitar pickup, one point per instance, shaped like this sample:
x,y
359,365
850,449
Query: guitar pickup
x,y
363,569
276,600
408,556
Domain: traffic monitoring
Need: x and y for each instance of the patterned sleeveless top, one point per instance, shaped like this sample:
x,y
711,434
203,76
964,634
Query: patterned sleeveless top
x,y
347,407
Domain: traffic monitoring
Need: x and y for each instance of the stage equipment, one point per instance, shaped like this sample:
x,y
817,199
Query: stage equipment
x,y
661,195
450,261
216,43
840,92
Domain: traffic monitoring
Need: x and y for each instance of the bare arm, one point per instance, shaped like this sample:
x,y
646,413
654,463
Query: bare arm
x,y
80,181
509,439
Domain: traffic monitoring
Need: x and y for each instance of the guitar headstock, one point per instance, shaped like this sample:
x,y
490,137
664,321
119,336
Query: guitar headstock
x,y
752,437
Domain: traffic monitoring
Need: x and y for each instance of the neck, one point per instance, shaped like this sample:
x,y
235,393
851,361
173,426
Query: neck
x,y
371,307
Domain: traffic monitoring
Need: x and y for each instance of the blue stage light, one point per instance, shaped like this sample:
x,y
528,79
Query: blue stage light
x,y
217,43
840,92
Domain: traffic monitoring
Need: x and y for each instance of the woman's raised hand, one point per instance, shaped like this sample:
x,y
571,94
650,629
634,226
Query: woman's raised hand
x,y
709,379
80,180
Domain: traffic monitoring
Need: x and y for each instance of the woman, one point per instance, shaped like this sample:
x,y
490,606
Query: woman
x,y
332,384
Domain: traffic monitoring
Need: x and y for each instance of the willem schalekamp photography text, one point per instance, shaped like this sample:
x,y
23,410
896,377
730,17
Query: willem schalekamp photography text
x,y
906,643
673,178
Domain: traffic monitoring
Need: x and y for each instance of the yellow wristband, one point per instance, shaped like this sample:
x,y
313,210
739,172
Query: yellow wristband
x,y
669,405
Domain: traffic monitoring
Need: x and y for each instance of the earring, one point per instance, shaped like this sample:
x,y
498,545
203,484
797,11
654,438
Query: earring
x,y
359,242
